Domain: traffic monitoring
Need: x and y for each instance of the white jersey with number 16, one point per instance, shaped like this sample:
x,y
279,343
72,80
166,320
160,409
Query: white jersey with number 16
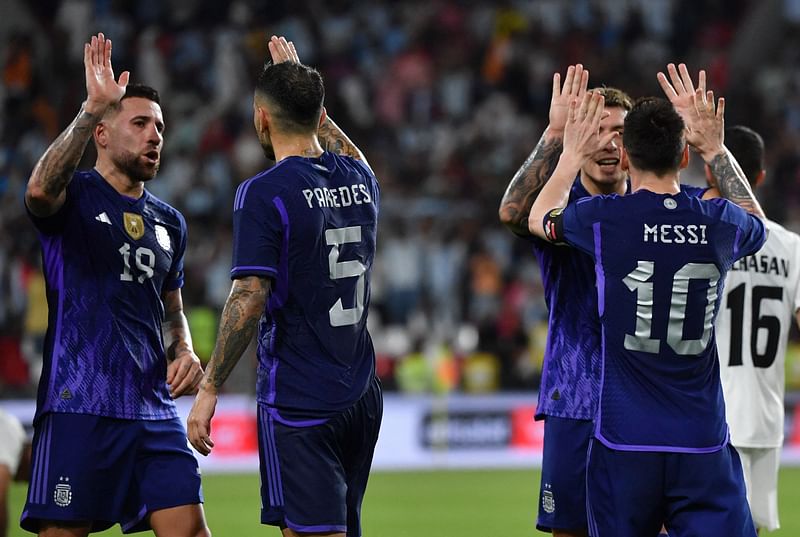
x,y
762,295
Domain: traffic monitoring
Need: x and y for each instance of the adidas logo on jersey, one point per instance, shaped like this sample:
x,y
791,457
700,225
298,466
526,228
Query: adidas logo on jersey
x,y
103,217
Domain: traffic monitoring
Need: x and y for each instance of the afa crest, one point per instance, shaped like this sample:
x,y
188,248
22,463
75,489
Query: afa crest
x,y
548,502
134,225
62,495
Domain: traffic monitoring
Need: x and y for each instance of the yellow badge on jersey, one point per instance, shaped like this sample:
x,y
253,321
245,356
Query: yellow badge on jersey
x,y
134,225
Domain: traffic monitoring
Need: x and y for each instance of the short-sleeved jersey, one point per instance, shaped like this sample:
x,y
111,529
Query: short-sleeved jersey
x,y
660,262
571,370
108,259
762,294
310,225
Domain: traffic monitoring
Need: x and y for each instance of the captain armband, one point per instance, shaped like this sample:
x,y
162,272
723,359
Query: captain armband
x,y
554,226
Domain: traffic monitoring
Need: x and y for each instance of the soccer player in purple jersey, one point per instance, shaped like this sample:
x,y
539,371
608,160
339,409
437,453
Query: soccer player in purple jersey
x,y
661,449
304,244
108,445
571,370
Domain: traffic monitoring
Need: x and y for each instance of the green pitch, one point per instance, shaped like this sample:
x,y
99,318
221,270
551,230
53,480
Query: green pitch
x,y
417,504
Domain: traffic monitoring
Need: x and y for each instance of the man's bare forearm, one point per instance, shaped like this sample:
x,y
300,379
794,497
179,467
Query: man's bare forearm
x,y
175,328
732,183
333,139
238,325
53,172
528,182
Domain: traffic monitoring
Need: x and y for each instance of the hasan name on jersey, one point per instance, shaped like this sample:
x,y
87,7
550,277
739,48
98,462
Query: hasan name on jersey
x,y
108,259
310,224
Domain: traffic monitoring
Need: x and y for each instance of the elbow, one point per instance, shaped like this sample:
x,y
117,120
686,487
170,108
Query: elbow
x,y
37,200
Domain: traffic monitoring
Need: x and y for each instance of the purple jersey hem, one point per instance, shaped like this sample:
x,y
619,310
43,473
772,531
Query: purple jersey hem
x,y
315,529
294,423
235,271
660,449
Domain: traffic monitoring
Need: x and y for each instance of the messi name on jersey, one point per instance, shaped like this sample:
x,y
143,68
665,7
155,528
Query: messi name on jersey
x,y
343,196
675,233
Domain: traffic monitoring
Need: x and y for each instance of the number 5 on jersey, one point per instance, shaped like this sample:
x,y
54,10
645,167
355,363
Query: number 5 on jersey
x,y
338,314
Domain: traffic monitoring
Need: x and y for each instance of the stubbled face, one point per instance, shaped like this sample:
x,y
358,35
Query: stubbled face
x,y
604,167
261,132
135,138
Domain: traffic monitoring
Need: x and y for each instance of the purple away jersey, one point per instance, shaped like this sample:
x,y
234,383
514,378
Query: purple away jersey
x,y
571,371
310,225
660,262
107,260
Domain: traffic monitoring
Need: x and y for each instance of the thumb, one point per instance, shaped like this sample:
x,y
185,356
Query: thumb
x,y
124,78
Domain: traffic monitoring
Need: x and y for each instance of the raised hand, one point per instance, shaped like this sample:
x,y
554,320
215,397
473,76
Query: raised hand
x,y
705,123
582,131
101,88
575,83
282,50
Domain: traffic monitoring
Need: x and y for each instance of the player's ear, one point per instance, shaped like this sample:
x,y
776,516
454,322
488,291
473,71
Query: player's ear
x,y
623,160
760,177
685,157
101,134
323,116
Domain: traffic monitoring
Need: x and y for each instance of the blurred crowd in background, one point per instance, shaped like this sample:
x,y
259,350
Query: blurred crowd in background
x,y
446,98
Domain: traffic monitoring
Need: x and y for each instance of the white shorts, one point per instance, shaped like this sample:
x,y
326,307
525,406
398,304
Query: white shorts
x,y
14,436
760,467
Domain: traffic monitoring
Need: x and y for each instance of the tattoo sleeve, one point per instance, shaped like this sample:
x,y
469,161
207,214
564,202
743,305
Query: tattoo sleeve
x,y
733,184
333,139
239,321
53,172
528,182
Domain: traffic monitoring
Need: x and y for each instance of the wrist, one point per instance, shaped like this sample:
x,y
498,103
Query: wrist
x,y
208,387
710,154
94,108
553,133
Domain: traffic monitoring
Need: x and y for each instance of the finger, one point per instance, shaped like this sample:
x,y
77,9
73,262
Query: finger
x,y
284,47
124,78
597,114
93,47
721,108
576,80
584,83
573,110
181,380
293,51
584,108
556,86
101,48
686,79
187,382
107,54
87,54
708,99
568,79
666,87
699,101
701,80
608,138
675,79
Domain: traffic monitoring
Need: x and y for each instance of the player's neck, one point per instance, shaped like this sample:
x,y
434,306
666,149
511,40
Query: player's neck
x,y
664,184
119,180
307,146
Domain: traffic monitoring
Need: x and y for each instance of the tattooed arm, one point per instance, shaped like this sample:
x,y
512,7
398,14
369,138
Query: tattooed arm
x,y
51,175
732,182
239,321
529,180
47,185
527,183
183,370
333,139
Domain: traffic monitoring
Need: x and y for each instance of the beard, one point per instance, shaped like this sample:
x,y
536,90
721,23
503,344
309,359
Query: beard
x,y
266,146
130,164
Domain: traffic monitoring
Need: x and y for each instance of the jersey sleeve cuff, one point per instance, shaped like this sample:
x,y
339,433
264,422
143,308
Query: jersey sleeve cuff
x,y
242,271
